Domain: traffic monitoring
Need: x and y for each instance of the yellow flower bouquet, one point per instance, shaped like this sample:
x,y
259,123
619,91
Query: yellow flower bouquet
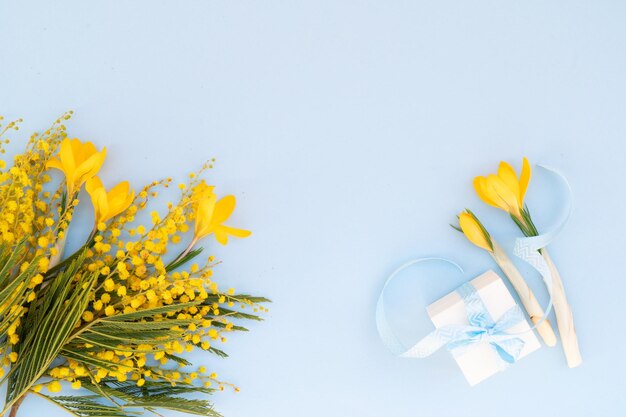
x,y
117,316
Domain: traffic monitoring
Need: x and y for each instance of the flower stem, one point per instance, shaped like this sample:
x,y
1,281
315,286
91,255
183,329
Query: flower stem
x,y
526,295
186,251
191,245
16,406
60,249
564,317
52,269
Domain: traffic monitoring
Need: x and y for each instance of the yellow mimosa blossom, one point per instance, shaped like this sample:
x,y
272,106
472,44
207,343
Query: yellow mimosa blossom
x,y
211,214
109,204
474,231
79,161
505,190
54,386
123,272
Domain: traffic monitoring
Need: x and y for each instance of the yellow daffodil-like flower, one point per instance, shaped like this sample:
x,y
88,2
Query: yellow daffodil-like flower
x,y
474,231
204,205
505,190
79,161
211,214
109,204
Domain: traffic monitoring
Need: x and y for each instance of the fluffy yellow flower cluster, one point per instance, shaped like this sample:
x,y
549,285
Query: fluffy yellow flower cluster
x,y
117,316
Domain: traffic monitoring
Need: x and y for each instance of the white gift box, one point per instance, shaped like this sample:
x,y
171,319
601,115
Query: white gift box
x,y
480,361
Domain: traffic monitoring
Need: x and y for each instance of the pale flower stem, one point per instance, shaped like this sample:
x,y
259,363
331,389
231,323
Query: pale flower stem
x,y
564,317
16,406
527,297
60,248
186,251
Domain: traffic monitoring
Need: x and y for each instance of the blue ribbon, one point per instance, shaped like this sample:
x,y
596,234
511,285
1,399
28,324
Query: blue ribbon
x,y
457,339
388,337
528,248
483,328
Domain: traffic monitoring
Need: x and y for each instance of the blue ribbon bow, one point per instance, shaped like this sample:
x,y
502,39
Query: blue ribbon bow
x,y
483,328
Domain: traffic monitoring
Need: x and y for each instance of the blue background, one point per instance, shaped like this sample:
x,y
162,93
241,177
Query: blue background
x,y
349,132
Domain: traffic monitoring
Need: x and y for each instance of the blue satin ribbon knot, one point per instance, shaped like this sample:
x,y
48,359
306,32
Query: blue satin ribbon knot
x,y
483,328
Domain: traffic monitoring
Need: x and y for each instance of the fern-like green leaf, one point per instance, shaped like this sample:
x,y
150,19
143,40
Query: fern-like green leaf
x,y
155,394
47,328
87,406
79,354
12,283
149,312
183,405
183,260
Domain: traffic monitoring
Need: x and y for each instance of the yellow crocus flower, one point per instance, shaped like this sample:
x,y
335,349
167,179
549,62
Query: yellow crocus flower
x,y
474,231
109,204
210,215
204,200
505,190
79,161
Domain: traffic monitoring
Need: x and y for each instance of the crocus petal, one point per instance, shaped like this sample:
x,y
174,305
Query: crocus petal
x,y
79,161
509,177
67,156
506,199
93,184
119,193
100,205
103,206
89,168
202,190
223,209
524,180
221,236
236,232
98,198
108,205
83,150
484,193
130,197
473,232
222,233
55,164
210,215
119,198
204,214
